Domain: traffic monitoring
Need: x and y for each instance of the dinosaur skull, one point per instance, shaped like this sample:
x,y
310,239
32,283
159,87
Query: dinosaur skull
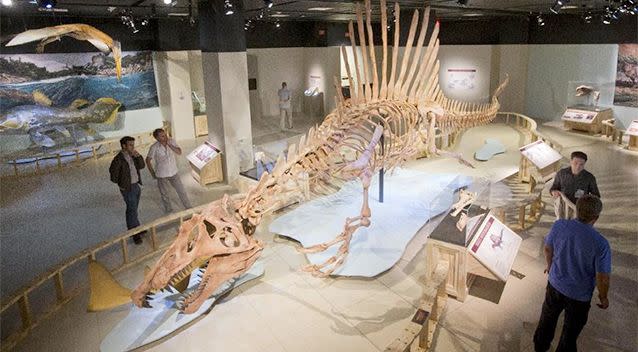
x,y
215,240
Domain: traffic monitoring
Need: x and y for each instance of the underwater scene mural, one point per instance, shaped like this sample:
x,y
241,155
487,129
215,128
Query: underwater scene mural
x,y
54,98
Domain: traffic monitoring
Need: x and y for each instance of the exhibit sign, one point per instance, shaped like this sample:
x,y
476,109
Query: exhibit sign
x,y
203,154
582,116
495,246
626,92
461,78
632,130
540,154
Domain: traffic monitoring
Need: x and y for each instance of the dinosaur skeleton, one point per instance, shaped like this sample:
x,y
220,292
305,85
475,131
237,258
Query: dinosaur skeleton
x,y
406,108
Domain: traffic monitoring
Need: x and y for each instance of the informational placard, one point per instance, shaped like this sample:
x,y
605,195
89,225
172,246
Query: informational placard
x,y
540,154
203,154
632,130
582,116
461,78
495,246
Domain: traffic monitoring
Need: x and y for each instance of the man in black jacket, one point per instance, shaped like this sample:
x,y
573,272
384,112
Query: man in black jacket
x,y
125,172
574,182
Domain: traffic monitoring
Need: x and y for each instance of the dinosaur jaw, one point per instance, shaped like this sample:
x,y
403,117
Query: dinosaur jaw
x,y
214,272
218,270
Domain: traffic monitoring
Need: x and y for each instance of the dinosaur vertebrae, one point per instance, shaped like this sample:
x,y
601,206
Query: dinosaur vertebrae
x,y
345,132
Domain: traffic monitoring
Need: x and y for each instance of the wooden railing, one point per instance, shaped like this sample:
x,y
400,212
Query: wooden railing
x,y
526,124
54,161
609,129
425,321
21,299
568,208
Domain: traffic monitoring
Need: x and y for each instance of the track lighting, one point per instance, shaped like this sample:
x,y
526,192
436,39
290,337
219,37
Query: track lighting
x,y
587,17
607,18
228,8
557,6
540,21
268,3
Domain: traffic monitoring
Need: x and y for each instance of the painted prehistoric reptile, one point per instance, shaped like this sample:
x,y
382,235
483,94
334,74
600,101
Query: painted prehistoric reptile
x,y
79,31
406,108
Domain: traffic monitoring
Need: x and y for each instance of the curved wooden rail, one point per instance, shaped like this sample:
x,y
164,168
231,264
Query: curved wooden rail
x,y
59,159
63,296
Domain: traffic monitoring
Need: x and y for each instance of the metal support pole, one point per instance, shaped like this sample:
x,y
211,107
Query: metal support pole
x,y
381,174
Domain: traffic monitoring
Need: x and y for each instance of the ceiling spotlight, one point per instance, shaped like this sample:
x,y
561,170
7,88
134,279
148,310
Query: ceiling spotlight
x,y
261,14
540,21
167,2
144,22
607,18
268,3
587,17
228,8
277,24
47,4
7,2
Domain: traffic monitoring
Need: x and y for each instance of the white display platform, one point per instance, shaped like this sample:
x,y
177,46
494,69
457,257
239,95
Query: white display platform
x,y
145,325
540,154
495,246
489,149
411,198
632,130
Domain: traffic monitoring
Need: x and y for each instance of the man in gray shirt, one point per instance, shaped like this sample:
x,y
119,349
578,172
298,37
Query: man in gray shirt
x,y
285,109
574,182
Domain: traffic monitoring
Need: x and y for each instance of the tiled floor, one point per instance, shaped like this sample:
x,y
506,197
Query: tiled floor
x,y
287,310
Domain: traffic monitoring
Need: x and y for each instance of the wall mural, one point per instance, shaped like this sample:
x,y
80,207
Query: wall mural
x,y
76,88
626,93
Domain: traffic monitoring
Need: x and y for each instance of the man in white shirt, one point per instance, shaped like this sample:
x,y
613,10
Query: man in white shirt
x,y
162,155
285,111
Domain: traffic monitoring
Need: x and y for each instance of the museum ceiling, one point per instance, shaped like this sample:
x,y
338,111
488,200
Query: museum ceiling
x,y
322,10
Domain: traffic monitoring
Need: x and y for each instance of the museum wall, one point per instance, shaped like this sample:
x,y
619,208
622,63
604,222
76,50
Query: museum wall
x,y
274,66
551,68
321,66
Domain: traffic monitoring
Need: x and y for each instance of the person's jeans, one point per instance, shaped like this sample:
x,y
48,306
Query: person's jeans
x,y
132,200
576,313
176,182
285,118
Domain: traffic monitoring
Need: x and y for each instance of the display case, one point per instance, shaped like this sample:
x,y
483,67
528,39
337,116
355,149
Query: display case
x,y
199,113
583,111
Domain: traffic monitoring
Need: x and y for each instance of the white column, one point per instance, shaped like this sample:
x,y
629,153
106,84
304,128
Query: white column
x,y
228,109
177,107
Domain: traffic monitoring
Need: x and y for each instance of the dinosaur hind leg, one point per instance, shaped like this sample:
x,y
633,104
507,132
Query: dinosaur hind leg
x,y
351,226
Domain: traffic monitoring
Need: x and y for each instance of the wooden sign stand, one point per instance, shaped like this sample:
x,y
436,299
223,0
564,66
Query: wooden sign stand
x,y
206,164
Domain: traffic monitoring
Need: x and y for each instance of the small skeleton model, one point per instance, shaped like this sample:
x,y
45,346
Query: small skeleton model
x,y
79,31
585,91
465,198
406,107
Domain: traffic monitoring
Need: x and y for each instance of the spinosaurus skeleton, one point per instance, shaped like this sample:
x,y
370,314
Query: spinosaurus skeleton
x,y
406,107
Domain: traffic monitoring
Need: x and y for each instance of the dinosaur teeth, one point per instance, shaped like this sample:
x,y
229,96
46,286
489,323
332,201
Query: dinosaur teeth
x,y
145,304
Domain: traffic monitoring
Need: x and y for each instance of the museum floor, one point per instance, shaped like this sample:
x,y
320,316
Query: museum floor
x,y
290,311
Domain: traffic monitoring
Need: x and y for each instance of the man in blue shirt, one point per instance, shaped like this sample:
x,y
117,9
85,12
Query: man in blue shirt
x,y
578,258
